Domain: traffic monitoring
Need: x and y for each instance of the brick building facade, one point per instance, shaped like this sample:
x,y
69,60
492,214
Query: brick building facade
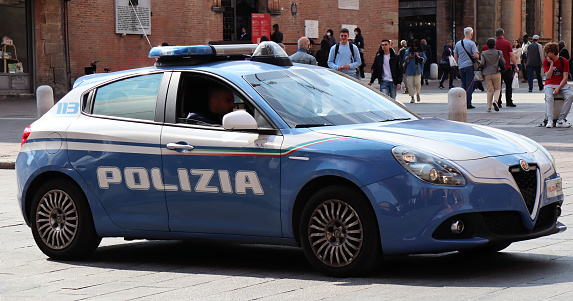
x,y
59,38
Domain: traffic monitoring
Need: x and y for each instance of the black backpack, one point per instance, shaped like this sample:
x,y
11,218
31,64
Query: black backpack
x,y
351,51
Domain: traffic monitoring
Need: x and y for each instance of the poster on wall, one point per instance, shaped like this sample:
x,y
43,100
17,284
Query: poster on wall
x,y
133,16
311,29
260,26
349,4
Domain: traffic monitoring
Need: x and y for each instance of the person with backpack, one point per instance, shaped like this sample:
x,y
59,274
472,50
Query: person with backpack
x,y
345,56
556,70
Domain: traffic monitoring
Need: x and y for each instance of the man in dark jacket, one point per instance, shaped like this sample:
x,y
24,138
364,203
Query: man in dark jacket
x,y
387,69
535,57
428,51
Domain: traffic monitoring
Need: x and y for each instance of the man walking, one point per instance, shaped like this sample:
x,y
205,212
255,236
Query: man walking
x,y
301,55
507,76
387,68
465,53
345,56
429,60
557,70
402,52
534,59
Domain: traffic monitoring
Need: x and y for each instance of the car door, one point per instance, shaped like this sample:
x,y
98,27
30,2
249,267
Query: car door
x,y
218,181
115,147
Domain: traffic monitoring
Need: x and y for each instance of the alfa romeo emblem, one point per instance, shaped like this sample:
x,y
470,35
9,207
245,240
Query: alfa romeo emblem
x,y
524,165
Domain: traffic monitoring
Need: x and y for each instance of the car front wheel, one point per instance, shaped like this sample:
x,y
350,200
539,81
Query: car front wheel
x,y
61,220
338,232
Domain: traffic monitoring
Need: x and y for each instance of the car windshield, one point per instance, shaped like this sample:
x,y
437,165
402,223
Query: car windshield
x,y
319,97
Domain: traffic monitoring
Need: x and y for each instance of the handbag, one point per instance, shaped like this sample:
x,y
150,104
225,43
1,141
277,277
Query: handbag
x,y
445,62
501,66
452,61
478,75
515,82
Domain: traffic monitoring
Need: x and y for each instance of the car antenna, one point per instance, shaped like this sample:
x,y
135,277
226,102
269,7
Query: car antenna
x,y
140,24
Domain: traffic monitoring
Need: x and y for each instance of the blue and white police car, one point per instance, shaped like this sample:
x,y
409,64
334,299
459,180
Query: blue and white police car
x,y
307,157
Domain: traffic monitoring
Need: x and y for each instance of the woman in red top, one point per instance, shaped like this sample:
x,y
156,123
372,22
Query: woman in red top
x,y
556,70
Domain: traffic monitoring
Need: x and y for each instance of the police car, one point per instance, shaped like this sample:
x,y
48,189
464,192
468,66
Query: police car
x,y
307,157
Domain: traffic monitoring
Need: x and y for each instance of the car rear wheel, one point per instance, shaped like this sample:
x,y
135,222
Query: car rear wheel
x,y
338,232
61,220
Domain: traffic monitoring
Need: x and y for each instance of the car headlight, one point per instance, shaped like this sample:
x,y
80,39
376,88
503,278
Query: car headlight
x,y
428,167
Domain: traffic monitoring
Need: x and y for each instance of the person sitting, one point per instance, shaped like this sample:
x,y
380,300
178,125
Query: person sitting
x,y
220,102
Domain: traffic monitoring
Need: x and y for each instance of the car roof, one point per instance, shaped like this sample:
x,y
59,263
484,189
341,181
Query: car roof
x,y
227,69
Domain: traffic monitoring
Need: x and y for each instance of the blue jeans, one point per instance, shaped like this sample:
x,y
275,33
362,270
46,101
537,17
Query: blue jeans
x,y
387,87
530,70
467,75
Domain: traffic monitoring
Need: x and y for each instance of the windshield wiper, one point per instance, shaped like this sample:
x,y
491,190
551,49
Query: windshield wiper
x,y
395,119
309,125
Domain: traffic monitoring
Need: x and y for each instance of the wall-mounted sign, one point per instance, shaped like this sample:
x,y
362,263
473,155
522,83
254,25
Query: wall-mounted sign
x,y
350,28
260,26
311,29
133,17
349,4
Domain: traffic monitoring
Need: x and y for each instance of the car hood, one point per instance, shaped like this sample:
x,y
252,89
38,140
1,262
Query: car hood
x,y
447,139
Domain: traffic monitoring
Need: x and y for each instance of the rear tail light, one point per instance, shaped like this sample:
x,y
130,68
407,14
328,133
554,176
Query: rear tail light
x,y
27,132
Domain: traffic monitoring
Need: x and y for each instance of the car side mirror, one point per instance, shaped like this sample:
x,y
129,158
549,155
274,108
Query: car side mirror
x,y
239,120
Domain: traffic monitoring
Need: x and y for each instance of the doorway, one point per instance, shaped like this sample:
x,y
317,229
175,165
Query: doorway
x,y
236,15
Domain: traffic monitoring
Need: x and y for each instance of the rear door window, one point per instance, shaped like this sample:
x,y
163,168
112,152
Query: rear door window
x,y
134,97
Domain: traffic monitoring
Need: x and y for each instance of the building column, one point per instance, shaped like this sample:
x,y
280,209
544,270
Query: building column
x,y
507,16
566,23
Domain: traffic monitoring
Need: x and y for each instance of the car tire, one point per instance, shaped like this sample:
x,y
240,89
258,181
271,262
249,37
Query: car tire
x,y
339,233
61,221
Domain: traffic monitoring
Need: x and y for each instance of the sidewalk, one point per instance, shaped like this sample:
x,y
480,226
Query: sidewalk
x,y
17,113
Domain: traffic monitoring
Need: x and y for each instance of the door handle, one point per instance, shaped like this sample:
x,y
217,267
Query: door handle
x,y
178,146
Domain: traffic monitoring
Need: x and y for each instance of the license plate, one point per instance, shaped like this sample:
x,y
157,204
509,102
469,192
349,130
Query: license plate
x,y
554,187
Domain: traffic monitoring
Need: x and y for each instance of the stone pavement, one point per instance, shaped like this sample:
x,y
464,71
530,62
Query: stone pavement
x,y
17,113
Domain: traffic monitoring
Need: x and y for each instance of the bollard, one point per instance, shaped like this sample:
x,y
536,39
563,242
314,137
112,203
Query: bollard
x,y
457,105
434,71
44,99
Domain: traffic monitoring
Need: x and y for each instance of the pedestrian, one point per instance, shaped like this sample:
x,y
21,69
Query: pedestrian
x,y
556,70
414,67
517,51
301,55
311,51
322,53
345,56
276,36
387,68
447,70
429,60
330,37
534,59
402,52
524,46
507,76
563,52
490,62
465,54
244,35
359,42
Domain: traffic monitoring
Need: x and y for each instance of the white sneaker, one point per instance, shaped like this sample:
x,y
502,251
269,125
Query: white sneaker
x,y
562,124
549,124
412,100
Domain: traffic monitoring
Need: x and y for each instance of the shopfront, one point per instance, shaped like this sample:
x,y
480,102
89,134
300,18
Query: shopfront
x,y
16,66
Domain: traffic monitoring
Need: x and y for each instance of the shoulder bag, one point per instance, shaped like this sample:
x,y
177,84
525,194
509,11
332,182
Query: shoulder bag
x,y
475,61
501,66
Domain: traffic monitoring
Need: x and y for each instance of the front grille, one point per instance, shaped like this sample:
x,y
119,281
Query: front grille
x,y
527,183
503,222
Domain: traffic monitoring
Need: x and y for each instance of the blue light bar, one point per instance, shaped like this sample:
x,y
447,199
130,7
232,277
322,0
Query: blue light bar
x,y
180,51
